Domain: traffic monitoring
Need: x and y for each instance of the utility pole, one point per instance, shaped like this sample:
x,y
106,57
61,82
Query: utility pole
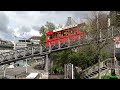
x,y
26,59
114,49
14,43
25,51
98,44
15,46
115,61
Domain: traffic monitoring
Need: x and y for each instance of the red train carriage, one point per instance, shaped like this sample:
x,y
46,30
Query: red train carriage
x,y
63,34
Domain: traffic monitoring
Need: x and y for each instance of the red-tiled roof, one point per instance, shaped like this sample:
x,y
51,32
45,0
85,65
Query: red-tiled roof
x,y
35,37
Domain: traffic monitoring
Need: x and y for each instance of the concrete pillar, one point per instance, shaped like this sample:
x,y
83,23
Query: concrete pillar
x,y
46,74
50,47
72,72
32,50
46,64
15,54
40,49
65,71
58,43
68,41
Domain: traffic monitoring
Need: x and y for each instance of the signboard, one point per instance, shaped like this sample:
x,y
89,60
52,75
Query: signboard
x,y
117,42
117,45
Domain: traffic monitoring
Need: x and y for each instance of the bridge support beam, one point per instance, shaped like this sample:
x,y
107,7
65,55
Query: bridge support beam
x,y
45,76
46,64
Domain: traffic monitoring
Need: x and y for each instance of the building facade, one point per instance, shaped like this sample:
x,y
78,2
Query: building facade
x,y
22,44
35,40
6,46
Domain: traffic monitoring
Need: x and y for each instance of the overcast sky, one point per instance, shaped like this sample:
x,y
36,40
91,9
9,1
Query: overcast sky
x,y
16,22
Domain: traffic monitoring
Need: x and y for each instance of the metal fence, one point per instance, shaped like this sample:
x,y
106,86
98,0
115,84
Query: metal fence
x,y
68,71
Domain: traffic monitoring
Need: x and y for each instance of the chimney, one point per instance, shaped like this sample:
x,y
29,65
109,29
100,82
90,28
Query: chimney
x,y
70,21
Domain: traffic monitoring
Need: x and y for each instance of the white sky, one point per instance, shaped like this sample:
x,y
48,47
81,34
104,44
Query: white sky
x,y
16,22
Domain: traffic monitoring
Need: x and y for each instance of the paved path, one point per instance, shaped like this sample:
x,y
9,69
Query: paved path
x,y
19,70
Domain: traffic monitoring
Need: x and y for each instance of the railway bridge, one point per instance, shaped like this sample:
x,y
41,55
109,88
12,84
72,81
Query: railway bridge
x,y
35,51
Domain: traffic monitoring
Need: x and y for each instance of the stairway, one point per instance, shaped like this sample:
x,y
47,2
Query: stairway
x,y
94,74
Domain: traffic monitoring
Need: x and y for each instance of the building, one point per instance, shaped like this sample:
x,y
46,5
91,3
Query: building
x,y
22,43
6,46
35,39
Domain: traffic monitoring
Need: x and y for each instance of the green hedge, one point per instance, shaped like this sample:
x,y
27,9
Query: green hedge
x,y
109,77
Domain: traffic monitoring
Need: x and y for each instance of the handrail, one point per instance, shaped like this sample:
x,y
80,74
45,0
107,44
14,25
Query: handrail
x,y
94,67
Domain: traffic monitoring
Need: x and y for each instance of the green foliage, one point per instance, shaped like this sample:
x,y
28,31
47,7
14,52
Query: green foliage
x,y
42,40
58,69
50,26
77,76
60,58
105,55
84,58
44,29
106,77
109,77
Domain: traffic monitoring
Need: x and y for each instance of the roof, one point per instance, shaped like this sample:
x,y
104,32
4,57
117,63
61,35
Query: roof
x,y
31,75
6,42
9,42
35,37
67,27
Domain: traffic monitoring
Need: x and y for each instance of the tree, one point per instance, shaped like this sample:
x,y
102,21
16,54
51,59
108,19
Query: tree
x,y
50,26
43,35
98,31
43,30
59,26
